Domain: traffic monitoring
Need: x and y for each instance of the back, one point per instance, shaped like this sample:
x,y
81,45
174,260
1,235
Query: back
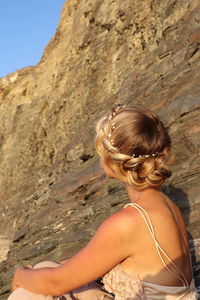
x,y
162,257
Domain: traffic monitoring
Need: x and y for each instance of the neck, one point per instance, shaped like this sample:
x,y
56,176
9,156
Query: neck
x,y
135,195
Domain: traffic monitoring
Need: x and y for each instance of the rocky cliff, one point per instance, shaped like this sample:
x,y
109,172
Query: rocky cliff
x,y
53,194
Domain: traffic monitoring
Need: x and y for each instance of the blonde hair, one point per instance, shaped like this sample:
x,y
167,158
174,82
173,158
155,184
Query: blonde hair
x,y
135,145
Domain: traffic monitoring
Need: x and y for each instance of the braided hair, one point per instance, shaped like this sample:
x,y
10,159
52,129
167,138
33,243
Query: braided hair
x,y
135,145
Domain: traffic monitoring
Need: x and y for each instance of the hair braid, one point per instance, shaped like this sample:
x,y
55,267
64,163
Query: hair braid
x,y
135,145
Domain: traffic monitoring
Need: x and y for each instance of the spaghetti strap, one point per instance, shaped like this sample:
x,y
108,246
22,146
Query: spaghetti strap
x,y
160,250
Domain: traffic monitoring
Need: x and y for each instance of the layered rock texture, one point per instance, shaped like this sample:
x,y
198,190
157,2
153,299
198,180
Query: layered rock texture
x,y
53,193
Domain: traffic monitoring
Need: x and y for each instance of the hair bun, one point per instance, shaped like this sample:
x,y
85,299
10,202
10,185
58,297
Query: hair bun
x,y
135,144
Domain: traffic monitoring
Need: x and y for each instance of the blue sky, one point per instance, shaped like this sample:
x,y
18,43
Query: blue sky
x,y
26,26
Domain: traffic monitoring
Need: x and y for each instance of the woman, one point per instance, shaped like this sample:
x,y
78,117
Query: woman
x,y
142,250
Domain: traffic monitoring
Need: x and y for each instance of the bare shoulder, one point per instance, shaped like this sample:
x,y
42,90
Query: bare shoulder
x,y
120,223
124,217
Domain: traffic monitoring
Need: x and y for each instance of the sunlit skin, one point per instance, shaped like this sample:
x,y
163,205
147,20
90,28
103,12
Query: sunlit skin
x,y
122,238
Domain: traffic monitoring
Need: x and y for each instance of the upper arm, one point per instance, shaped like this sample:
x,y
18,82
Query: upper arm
x,y
107,248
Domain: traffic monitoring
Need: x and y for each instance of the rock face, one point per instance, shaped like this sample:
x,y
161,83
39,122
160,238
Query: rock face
x,y
52,191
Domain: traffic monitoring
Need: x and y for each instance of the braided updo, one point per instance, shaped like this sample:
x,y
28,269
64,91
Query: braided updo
x,y
135,145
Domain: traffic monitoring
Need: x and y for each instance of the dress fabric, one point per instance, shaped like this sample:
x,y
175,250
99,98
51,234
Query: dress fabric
x,y
130,287
123,285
